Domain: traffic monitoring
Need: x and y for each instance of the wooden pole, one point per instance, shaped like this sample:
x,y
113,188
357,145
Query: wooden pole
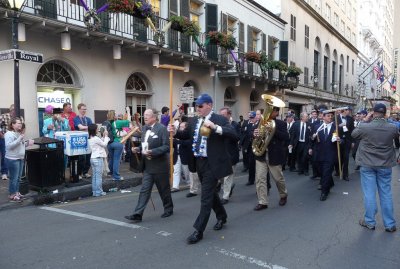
x,y
338,146
171,138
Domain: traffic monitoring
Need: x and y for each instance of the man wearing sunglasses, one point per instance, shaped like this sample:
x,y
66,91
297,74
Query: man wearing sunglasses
x,y
212,162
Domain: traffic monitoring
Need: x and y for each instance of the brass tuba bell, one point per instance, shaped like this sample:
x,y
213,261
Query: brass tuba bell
x,y
261,142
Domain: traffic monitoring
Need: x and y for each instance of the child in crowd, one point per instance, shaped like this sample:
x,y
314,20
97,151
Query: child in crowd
x,y
98,146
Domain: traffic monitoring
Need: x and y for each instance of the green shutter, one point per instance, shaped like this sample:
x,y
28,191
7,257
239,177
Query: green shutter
x,y
284,51
212,25
173,34
263,42
270,47
241,37
249,48
224,23
185,40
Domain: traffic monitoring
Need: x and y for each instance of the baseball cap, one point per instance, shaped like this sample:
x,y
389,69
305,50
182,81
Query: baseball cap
x,y
252,114
204,98
326,111
379,107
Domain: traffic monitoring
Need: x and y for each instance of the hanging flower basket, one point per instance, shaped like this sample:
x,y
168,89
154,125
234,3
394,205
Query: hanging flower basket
x,y
253,57
225,41
281,66
293,71
142,9
121,6
184,25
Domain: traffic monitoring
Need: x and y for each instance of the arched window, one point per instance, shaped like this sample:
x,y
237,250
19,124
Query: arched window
x,y
136,83
229,97
56,72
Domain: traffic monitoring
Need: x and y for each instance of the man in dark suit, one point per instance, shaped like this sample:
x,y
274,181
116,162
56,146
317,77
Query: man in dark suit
x,y
155,150
243,124
233,151
291,153
325,152
247,145
272,163
313,116
346,127
300,142
212,162
314,128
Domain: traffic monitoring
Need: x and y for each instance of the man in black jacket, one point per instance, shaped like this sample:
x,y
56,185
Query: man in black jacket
x,y
346,127
300,143
246,143
272,163
211,160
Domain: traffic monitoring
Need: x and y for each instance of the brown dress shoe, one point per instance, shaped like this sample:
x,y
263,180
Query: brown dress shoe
x,y
283,201
260,207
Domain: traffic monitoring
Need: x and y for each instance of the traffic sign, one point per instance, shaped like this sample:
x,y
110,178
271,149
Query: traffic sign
x,y
21,55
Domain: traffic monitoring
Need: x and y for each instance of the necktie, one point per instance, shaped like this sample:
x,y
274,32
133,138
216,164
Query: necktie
x,y
302,132
198,141
326,132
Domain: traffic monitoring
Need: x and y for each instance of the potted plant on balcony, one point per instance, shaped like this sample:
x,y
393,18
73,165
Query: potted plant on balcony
x,y
293,71
275,68
223,40
184,25
121,6
142,9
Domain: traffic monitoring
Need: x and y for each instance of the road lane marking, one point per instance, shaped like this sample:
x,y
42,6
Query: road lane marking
x,y
247,259
91,217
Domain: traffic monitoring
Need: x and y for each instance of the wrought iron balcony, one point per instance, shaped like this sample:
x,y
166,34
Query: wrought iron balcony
x,y
128,27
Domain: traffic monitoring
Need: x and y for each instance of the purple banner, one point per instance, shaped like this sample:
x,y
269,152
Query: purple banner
x,y
84,5
103,8
233,55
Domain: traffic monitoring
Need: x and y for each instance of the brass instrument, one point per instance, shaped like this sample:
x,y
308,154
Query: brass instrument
x,y
261,142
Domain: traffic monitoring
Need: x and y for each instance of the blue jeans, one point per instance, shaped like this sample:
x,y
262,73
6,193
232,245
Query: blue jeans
x,y
15,169
97,181
114,154
4,170
371,180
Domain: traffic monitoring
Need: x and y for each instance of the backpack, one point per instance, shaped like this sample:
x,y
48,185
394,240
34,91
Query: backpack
x,y
108,126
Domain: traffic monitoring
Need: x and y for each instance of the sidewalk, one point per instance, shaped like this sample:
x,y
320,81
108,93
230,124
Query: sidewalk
x,y
69,191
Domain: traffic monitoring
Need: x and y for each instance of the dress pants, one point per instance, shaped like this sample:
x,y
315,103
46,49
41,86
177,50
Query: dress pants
x,y
262,170
209,196
302,157
194,182
345,149
291,160
227,185
252,165
245,158
162,184
326,169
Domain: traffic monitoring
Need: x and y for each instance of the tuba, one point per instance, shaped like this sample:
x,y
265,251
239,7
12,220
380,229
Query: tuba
x,y
261,142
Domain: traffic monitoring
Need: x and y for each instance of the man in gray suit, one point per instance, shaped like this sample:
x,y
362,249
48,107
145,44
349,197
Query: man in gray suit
x,y
155,149
376,157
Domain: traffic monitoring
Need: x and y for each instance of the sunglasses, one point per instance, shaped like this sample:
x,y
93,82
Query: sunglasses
x,y
199,106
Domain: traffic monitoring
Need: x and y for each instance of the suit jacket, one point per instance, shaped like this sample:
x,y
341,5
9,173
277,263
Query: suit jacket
x,y
295,137
184,150
247,137
277,145
325,150
218,157
376,144
159,145
232,144
346,136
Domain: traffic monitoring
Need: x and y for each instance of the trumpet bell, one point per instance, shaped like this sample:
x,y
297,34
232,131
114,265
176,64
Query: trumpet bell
x,y
205,131
273,100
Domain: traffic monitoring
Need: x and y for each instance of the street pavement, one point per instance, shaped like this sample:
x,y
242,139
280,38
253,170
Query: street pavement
x,y
306,233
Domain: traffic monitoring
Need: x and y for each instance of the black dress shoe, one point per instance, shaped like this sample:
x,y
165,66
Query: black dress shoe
x,y
249,183
134,218
167,214
346,179
220,223
224,201
260,207
194,237
190,194
230,193
323,196
283,201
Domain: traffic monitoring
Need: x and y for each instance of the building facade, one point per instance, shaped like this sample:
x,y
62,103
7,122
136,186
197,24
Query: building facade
x,y
322,41
113,67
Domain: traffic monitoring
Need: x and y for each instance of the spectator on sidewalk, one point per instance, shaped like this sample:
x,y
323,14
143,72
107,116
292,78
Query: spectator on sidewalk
x,y
69,115
376,156
98,146
15,155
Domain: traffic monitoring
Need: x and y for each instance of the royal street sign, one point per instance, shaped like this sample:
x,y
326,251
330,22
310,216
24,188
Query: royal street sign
x,y
21,55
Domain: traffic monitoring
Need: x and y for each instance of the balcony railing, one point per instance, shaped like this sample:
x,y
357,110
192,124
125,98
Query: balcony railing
x,y
121,25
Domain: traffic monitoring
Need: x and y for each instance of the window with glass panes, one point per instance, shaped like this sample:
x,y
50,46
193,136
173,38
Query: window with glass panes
x,y
307,36
292,27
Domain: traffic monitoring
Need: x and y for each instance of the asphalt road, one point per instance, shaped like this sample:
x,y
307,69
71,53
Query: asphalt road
x,y
306,233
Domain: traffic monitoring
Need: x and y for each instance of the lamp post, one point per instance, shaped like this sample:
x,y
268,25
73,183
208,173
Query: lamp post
x,y
16,6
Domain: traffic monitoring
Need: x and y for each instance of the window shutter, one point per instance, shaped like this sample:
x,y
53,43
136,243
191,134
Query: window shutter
x,y
185,40
283,51
224,23
263,42
173,35
241,37
212,25
270,48
249,38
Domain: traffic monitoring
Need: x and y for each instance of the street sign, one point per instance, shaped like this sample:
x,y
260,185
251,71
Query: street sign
x,y
187,94
21,55
6,55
